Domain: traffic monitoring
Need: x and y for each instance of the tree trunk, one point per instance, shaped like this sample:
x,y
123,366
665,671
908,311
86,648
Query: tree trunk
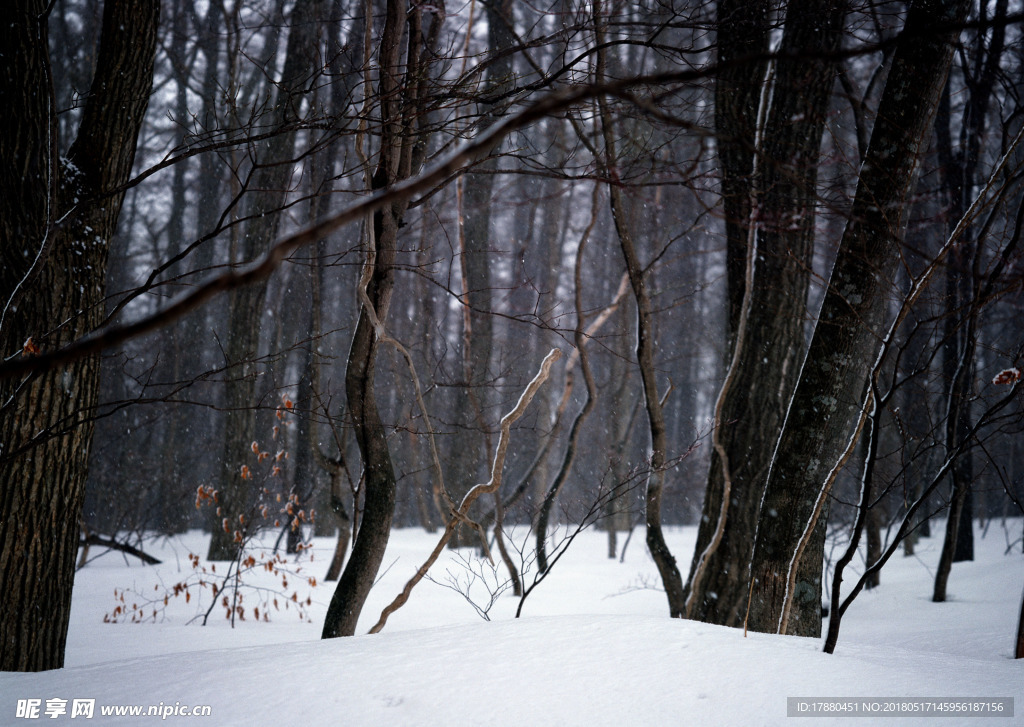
x,y
616,515
379,476
743,27
52,288
402,99
821,424
472,444
964,549
1018,652
569,458
245,305
784,194
959,179
873,532
668,569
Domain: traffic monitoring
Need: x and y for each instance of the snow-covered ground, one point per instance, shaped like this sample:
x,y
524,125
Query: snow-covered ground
x,y
594,647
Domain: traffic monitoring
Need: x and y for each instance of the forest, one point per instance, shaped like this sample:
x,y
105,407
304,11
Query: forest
x,y
337,267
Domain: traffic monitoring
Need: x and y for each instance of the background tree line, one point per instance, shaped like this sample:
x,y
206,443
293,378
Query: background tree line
x,y
788,234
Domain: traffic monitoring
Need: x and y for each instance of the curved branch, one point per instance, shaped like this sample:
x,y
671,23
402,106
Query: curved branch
x,y
490,486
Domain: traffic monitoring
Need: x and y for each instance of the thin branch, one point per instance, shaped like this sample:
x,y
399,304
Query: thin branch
x,y
490,486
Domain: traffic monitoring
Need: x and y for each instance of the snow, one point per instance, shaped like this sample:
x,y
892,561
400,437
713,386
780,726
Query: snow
x,y
594,647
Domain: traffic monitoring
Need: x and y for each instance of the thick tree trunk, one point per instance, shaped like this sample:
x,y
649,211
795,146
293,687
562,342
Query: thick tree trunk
x,y
783,189
964,550
820,426
52,288
959,179
743,27
1018,652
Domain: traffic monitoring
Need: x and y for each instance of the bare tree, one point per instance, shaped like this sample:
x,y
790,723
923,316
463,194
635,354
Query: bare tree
x,y
402,93
770,175
271,181
823,418
59,211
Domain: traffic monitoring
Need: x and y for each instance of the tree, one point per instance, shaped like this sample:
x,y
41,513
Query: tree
x,y
959,180
271,177
402,94
826,411
477,336
770,170
59,211
440,178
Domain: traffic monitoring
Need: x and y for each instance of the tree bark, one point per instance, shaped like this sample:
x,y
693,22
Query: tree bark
x,y
472,443
742,42
52,291
959,179
782,195
819,429
1018,652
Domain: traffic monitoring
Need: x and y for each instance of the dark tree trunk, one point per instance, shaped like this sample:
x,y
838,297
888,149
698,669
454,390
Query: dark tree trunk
x,y
472,444
379,476
784,187
52,288
820,426
743,27
959,179
1018,652
402,98
964,549
873,532
639,279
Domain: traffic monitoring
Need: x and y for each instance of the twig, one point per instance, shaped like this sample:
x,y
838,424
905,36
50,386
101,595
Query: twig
x,y
490,486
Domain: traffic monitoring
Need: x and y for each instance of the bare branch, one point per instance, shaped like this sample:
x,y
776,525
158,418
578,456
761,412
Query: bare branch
x,y
491,485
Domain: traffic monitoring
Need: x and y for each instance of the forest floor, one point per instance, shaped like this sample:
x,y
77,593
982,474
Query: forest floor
x,y
594,646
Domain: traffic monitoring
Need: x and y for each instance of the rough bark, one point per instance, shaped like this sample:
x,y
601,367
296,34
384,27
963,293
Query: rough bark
x,y
817,434
471,444
51,290
781,197
742,37
959,179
